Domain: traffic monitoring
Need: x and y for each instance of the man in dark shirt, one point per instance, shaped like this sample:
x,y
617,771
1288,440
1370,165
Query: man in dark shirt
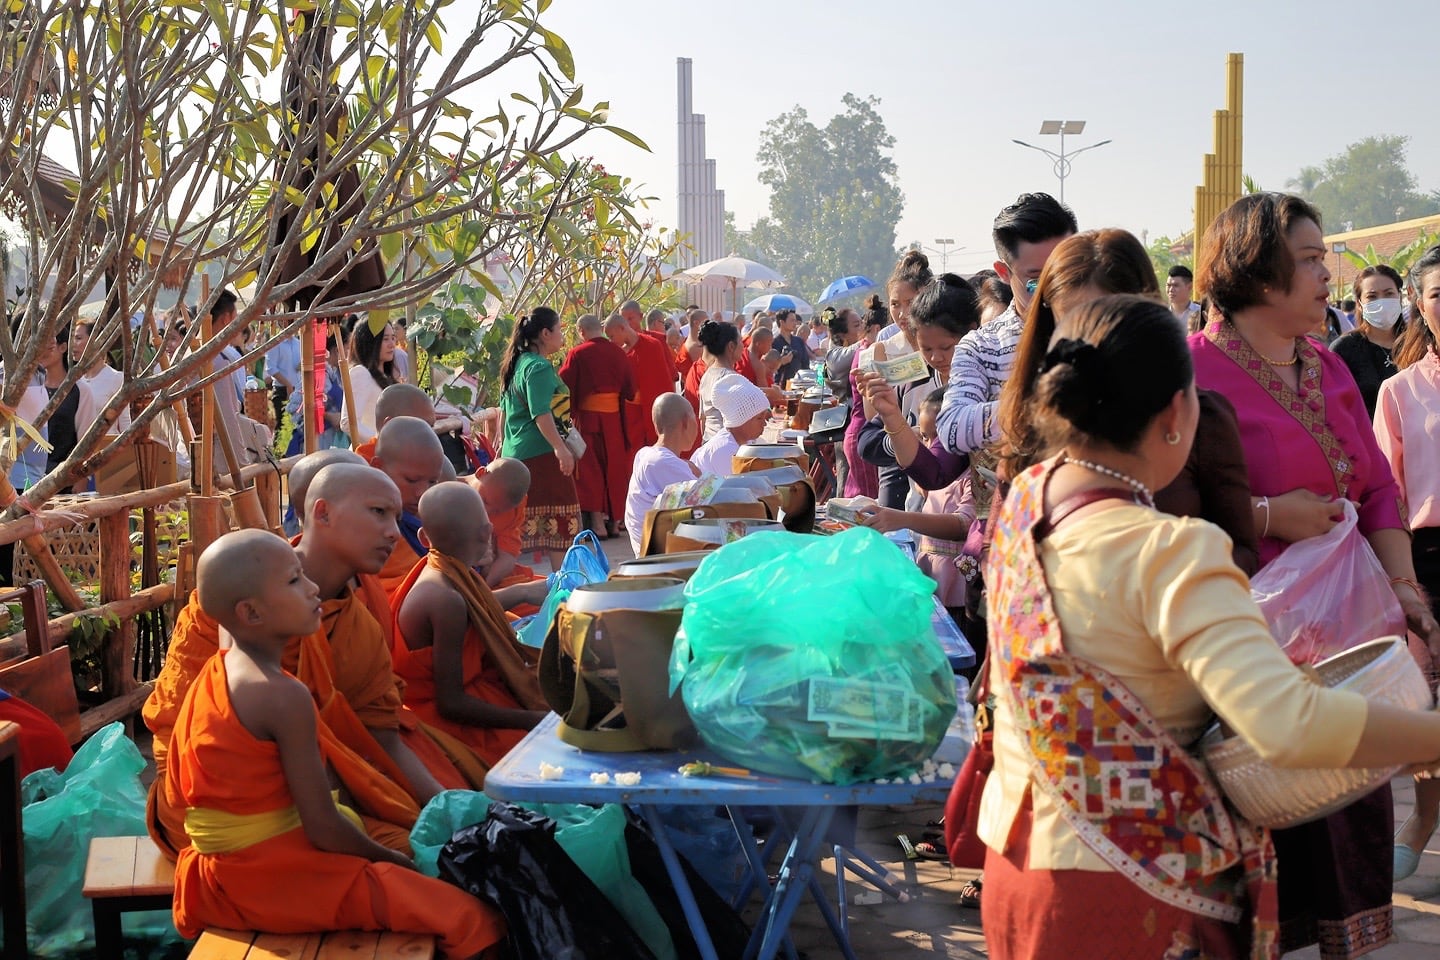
x,y
789,341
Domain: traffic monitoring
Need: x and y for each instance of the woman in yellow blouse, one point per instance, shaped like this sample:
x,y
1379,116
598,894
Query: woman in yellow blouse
x,y
1117,633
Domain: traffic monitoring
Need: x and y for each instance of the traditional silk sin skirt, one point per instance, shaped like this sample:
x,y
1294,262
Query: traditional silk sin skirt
x,y
552,508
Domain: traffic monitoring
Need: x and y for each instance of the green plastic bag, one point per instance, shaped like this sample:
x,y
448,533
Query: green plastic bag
x,y
593,837
98,795
814,657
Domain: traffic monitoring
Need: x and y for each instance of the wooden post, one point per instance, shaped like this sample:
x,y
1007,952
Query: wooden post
x,y
206,463
267,488
118,659
207,521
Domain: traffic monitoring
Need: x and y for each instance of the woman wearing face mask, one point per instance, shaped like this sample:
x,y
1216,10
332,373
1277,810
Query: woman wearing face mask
x,y
1405,419
1378,326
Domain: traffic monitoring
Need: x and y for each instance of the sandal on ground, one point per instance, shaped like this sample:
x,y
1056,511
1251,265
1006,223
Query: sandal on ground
x,y
1406,861
970,893
930,850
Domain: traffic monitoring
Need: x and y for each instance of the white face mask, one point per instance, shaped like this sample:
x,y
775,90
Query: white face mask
x,y
1382,314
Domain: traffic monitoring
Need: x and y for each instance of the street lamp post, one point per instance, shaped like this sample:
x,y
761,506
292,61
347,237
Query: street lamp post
x,y
945,244
1061,159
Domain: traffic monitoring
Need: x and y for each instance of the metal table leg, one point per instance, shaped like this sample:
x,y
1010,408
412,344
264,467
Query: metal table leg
x,y
686,896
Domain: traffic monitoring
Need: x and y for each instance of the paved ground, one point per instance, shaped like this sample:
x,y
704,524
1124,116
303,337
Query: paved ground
x,y
934,925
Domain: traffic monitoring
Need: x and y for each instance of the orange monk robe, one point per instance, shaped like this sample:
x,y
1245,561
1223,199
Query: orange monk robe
x,y
654,370
481,674
397,568
346,665
453,765
284,884
600,382
367,449
507,527
683,361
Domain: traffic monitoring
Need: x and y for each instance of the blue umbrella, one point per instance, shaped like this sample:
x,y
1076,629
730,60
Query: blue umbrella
x,y
847,287
771,302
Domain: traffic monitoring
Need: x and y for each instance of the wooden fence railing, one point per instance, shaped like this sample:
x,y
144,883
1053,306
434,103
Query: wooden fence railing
x,y
121,694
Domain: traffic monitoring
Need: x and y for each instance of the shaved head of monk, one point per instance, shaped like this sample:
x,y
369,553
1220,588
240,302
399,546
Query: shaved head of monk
x,y
410,454
351,525
505,483
403,400
252,583
305,469
454,522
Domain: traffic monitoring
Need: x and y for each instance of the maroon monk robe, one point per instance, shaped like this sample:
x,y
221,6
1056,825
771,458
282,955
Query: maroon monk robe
x,y
601,381
654,370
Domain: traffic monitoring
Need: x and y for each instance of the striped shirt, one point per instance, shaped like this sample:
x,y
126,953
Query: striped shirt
x,y
968,419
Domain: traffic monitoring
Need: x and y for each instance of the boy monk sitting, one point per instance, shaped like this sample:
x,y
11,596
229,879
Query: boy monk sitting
x,y
397,400
662,463
298,481
408,452
744,411
463,669
271,850
504,485
349,530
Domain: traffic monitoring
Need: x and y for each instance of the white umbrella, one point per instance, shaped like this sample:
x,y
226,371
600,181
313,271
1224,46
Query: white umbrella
x,y
730,273
771,302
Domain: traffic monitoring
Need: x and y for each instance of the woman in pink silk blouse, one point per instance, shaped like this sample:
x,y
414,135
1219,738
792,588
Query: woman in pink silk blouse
x,y
1406,413
1308,443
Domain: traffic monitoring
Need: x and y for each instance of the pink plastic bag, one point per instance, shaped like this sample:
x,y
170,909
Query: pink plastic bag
x,y
1327,594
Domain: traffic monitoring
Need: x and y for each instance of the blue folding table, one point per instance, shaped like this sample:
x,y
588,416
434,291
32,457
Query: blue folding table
x,y
517,778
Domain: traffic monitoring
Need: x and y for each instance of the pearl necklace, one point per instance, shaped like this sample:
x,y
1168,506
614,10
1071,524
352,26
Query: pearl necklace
x,y
1142,492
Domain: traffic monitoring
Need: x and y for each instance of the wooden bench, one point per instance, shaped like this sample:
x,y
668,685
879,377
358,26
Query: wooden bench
x,y
124,875
345,945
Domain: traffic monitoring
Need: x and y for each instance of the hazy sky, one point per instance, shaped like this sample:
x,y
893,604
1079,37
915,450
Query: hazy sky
x,y
958,81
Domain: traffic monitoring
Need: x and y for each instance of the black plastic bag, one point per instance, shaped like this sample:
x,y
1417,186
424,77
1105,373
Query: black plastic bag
x,y
727,931
554,911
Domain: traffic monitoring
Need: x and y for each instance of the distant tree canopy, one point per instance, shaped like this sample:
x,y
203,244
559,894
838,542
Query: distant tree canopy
x,y
834,200
1367,185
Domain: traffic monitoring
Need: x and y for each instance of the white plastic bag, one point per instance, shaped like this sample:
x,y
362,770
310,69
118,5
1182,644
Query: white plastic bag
x,y
1327,594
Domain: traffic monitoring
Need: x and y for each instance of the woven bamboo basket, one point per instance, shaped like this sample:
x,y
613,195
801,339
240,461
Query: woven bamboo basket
x,y
259,408
76,549
1381,670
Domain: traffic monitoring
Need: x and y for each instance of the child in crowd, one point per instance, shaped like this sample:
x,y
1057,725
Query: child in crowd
x,y
271,848
464,671
408,452
940,519
744,410
504,485
662,463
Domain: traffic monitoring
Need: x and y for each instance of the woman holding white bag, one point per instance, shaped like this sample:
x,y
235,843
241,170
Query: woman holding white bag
x,y
1405,414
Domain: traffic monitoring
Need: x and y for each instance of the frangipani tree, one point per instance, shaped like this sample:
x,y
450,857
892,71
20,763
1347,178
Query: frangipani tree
x,y
188,149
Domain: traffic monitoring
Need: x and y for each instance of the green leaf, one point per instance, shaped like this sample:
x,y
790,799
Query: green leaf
x,y
629,137
432,33
377,319
560,50
467,239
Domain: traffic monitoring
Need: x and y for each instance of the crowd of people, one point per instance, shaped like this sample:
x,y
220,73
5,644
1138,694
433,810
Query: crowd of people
x,y
1092,466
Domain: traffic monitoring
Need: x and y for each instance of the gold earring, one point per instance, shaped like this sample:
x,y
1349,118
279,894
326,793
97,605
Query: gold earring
x,y
1172,438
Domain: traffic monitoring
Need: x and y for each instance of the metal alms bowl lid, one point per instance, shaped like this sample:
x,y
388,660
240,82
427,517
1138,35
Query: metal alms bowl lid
x,y
639,593
713,529
769,451
680,565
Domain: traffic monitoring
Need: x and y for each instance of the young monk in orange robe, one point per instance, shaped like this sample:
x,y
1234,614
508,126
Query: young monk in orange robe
x,y
350,529
409,453
272,849
453,765
463,668
397,400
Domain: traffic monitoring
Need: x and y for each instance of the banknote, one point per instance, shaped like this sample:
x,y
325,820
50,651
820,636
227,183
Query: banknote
x,y
858,702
